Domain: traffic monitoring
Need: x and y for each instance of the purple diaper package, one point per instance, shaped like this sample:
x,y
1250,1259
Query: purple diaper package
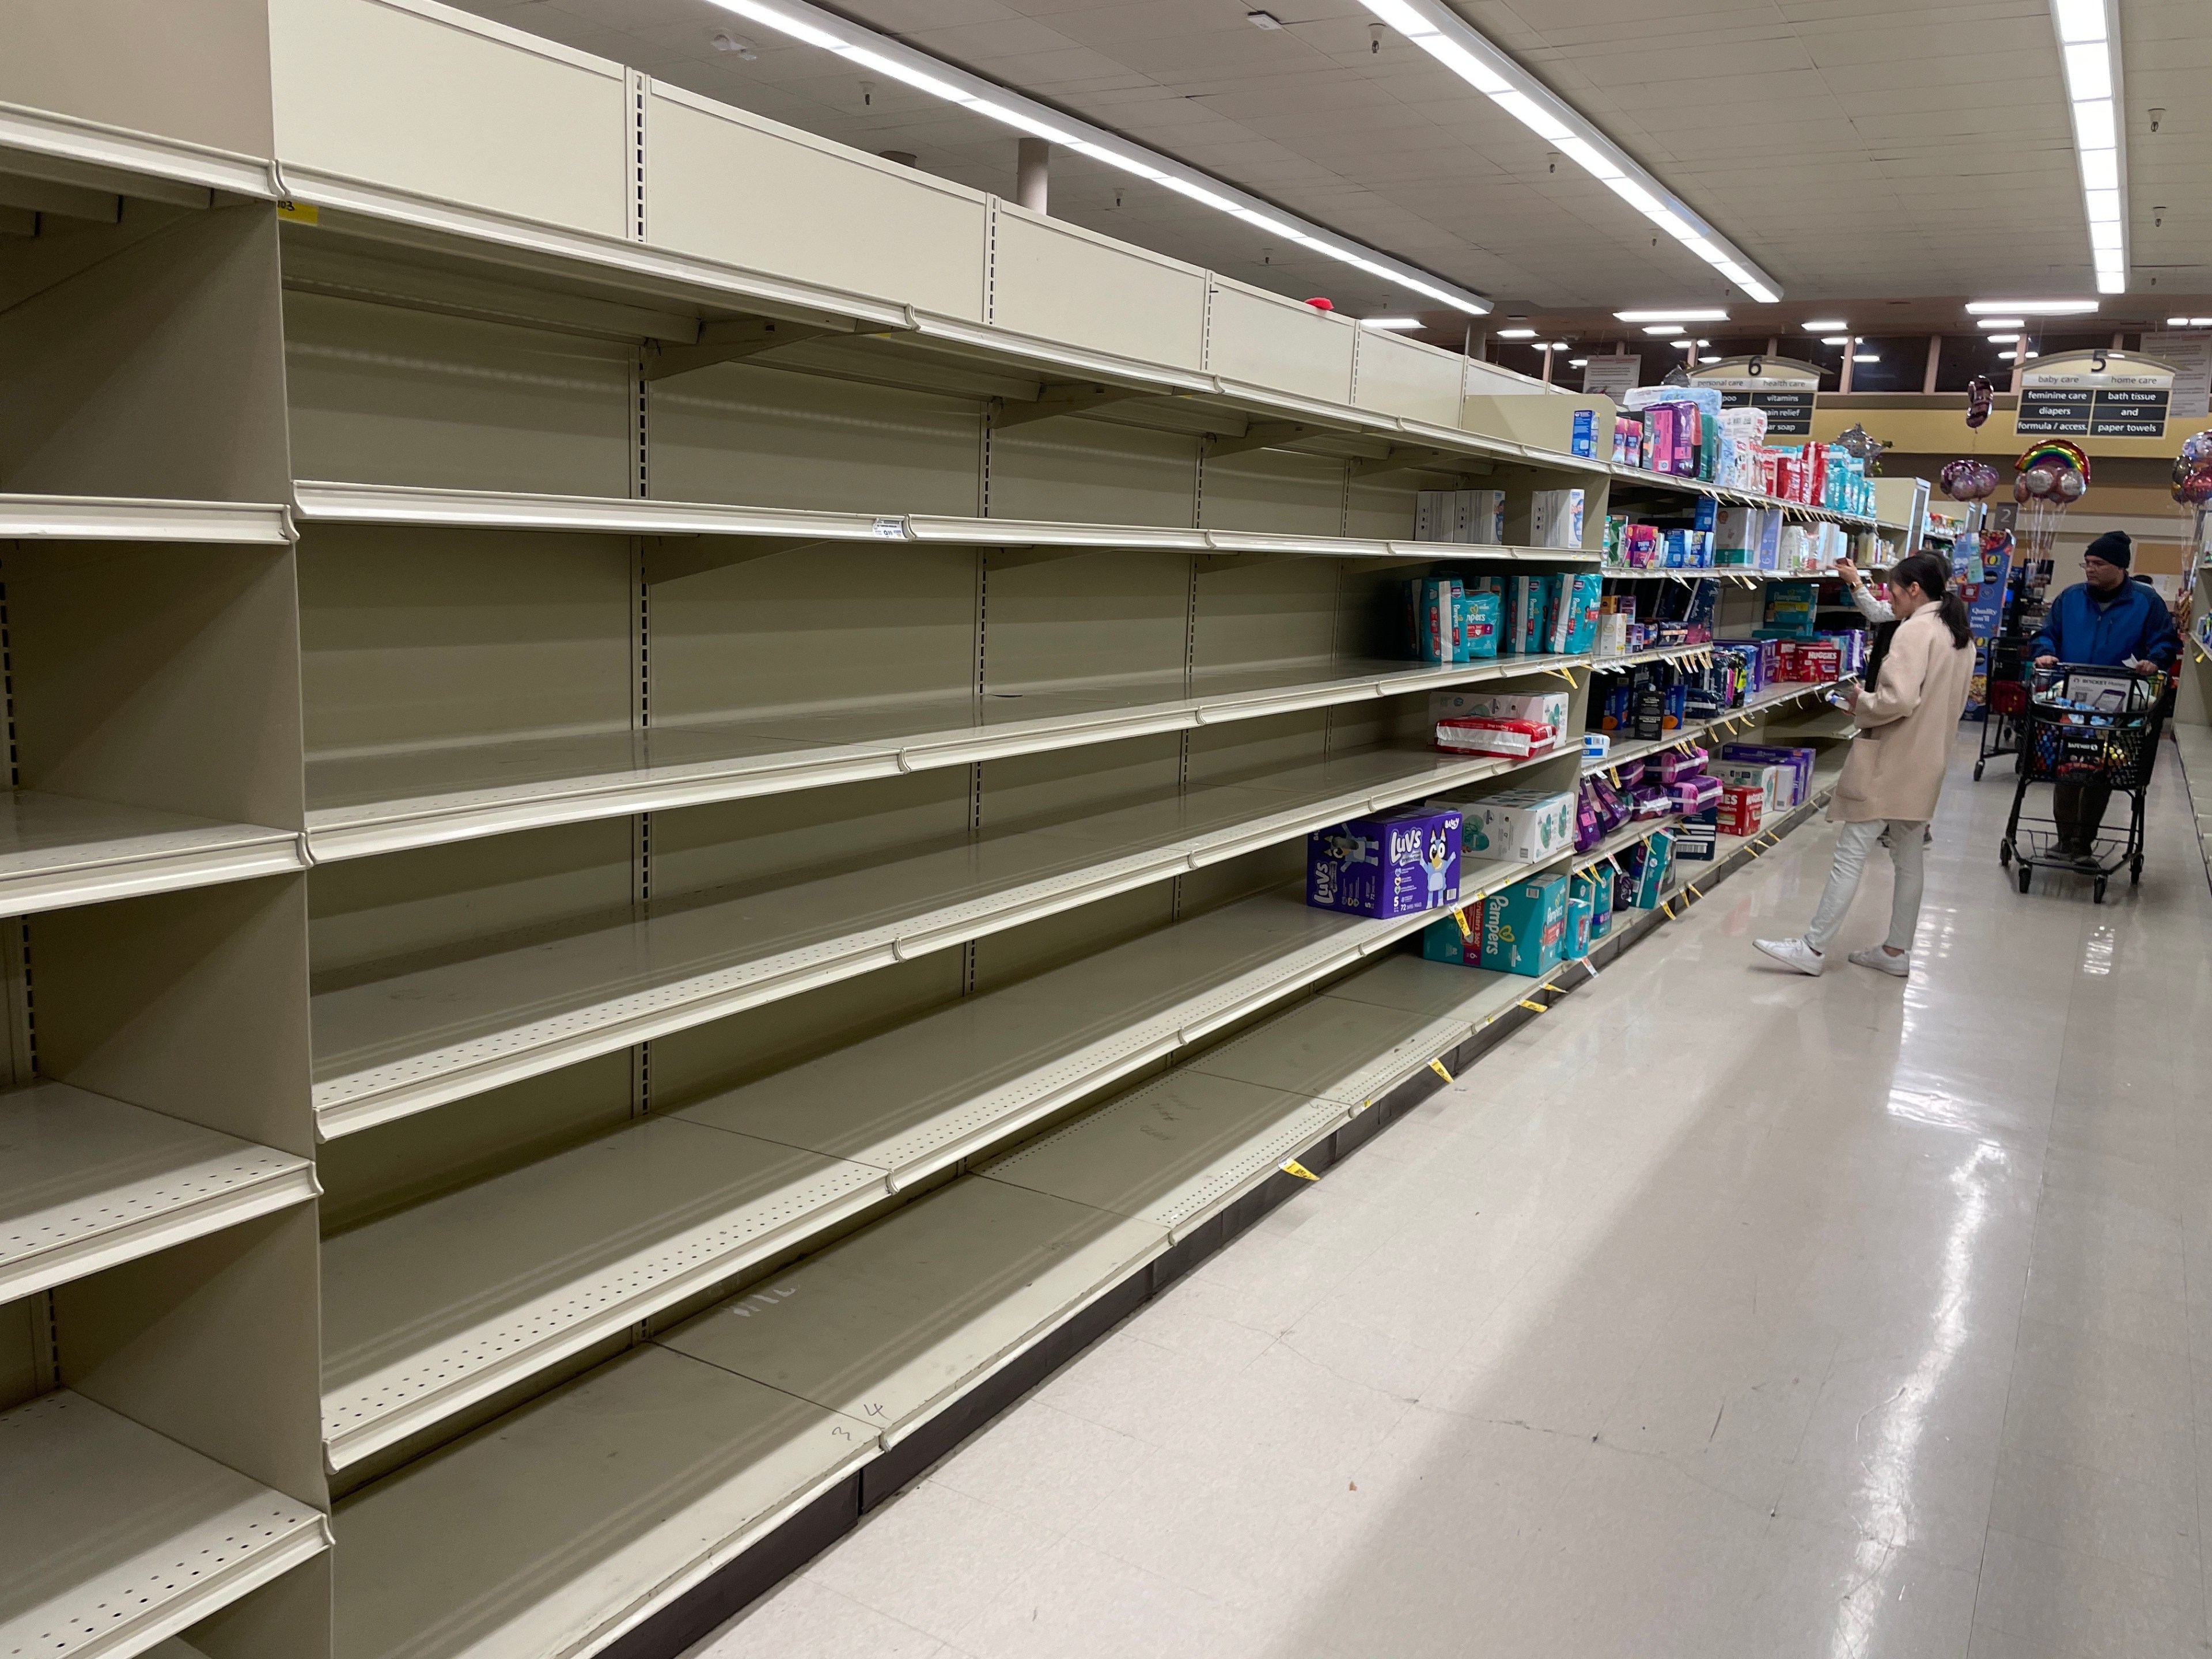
x,y
1651,801
1393,866
1695,792
1675,764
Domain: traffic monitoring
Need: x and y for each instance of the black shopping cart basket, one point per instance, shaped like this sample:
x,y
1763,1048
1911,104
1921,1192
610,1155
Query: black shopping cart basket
x,y
2092,729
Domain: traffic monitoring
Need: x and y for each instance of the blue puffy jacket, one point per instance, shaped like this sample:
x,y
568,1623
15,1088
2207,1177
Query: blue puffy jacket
x,y
2085,627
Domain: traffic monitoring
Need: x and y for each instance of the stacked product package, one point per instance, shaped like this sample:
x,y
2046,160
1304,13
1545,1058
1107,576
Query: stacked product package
x,y
1448,619
1685,432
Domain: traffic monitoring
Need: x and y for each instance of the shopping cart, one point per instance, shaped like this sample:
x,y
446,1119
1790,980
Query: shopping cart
x,y
2004,717
2094,728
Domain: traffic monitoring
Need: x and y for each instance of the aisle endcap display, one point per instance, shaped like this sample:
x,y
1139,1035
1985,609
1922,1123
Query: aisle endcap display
x,y
87,1182
116,1537
129,519
62,850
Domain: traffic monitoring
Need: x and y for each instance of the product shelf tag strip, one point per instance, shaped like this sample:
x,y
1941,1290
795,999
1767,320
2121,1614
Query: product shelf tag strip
x,y
1295,1167
1437,1067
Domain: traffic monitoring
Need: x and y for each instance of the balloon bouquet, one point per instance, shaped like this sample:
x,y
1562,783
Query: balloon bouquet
x,y
1968,480
2192,487
2053,476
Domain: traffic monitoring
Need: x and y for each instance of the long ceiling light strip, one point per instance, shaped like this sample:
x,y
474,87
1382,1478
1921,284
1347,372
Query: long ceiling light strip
x,y
1446,36
899,62
2091,54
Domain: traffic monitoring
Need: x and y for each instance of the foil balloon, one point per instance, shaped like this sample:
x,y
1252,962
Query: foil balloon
x,y
2070,484
2039,482
1985,480
2019,489
2196,448
1981,397
2196,490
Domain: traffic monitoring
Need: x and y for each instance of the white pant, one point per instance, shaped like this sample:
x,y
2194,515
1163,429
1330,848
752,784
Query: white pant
x,y
1908,852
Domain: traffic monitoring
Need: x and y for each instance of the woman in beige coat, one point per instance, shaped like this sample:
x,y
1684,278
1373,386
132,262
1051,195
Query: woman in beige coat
x,y
1895,768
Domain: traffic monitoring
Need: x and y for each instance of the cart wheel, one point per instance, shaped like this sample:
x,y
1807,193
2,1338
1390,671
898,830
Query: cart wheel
x,y
2005,854
2135,873
1978,771
2100,894
2027,873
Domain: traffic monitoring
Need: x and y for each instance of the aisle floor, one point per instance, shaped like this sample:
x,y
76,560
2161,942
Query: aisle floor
x,y
1720,1312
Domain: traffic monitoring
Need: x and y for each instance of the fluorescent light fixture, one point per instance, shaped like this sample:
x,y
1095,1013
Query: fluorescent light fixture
x,y
2092,60
1704,342
1557,345
1663,328
1517,333
2080,20
1679,315
2004,339
2006,356
1683,345
1828,325
2003,322
881,54
2188,322
1864,357
1835,339
2031,308
1450,38
1577,363
1390,322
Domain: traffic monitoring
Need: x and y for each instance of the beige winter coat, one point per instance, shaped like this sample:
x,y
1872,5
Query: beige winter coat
x,y
1906,725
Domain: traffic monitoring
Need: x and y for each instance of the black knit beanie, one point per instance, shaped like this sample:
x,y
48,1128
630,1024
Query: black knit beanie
x,y
2112,547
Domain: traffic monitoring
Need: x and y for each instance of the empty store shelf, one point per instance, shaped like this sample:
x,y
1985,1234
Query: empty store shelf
x,y
58,850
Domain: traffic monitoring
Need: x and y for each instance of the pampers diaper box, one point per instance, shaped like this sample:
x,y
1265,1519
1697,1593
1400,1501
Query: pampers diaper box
x,y
1520,929
1527,824
1395,864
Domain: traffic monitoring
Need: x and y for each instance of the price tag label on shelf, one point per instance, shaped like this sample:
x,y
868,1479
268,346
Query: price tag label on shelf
x,y
891,529
1295,1167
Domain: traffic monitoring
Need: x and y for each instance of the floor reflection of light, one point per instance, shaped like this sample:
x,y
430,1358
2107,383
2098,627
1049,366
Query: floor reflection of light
x,y
2097,953
1891,1432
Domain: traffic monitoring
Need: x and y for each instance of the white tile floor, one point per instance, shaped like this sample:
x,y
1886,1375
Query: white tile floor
x,y
1721,1312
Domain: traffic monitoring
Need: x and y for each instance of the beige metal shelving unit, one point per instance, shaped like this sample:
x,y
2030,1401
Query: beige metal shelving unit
x,y
585,753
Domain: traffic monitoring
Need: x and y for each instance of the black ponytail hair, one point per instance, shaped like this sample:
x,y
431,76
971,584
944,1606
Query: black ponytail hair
x,y
1932,576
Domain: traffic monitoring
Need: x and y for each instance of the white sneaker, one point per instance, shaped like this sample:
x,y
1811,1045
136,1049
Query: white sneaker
x,y
1795,952
1882,961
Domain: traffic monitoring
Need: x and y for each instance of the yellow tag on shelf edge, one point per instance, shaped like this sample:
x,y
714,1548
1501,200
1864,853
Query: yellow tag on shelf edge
x,y
1538,1006
1460,916
1295,1167
301,213
1437,1067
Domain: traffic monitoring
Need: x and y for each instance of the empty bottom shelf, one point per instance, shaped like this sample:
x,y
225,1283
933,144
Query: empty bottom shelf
x,y
113,1537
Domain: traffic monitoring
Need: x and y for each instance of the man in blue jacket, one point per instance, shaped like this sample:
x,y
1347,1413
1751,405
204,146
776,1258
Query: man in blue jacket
x,y
2104,620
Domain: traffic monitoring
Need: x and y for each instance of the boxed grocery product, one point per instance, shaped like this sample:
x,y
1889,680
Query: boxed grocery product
x,y
1481,734
1390,865
1767,781
1479,517
1644,870
1525,927
1432,515
1515,824
1742,809
1797,764
1555,517
1547,708
1601,881
1585,589
1697,836
1584,441
1595,745
1576,944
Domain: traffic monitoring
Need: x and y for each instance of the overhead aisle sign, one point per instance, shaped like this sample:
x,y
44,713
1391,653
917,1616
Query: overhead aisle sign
x,y
1783,386
2096,394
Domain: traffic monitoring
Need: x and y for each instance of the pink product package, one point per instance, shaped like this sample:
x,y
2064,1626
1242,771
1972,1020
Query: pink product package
x,y
1483,735
1651,802
1695,792
1675,764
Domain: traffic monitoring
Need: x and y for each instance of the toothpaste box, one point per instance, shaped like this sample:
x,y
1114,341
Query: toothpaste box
x,y
1698,836
1515,824
1547,708
1395,864
1480,734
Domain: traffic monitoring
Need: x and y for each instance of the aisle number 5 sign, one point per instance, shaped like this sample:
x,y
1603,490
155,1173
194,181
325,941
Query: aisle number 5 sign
x,y
2097,393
